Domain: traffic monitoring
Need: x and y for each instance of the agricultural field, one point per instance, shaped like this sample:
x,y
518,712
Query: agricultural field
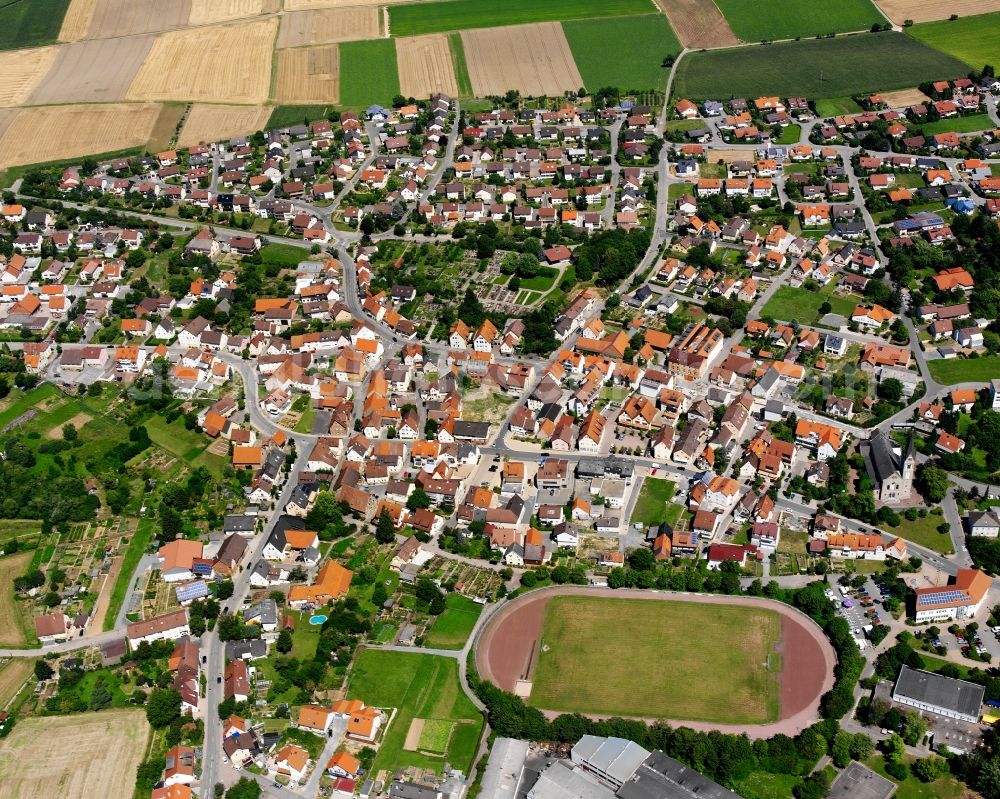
x,y
29,23
308,75
368,73
12,624
581,669
837,106
52,133
329,25
654,502
928,10
698,23
76,22
460,66
453,627
97,70
768,20
114,18
974,40
904,97
839,67
802,305
207,12
13,674
636,66
285,115
23,71
426,66
73,757
965,370
413,19
534,59
422,688
198,64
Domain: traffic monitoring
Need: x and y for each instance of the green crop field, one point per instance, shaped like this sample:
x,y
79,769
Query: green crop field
x,y
965,370
975,40
462,79
637,66
418,686
452,628
802,305
29,23
368,72
412,19
766,20
838,67
649,658
285,115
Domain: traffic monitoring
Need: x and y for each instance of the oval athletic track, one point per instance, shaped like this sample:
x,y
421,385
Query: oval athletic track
x,y
506,643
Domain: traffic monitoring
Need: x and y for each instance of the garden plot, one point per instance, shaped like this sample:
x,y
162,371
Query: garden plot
x,y
323,26
210,123
98,70
533,59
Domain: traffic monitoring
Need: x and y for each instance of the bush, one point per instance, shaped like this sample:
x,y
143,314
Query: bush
x,y
897,770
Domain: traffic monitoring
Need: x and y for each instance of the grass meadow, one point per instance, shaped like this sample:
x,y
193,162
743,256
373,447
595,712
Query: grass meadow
x,y
453,627
647,41
766,20
839,67
974,40
644,658
965,370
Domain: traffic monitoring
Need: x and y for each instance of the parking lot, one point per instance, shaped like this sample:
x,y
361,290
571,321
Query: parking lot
x,y
863,610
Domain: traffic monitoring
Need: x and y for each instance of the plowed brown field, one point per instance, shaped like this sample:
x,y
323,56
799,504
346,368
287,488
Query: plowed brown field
x,y
126,17
300,28
698,23
93,70
534,59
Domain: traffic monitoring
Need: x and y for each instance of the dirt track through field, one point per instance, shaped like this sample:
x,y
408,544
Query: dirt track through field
x,y
73,757
52,133
698,23
425,66
534,59
928,10
210,123
126,17
76,23
206,12
22,71
94,70
309,75
505,652
216,63
301,28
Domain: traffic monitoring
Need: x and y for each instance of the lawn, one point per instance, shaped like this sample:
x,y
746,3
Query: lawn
x,y
653,504
542,281
965,370
368,72
790,134
838,67
284,116
911,788
638,67
136,548
418,686
837,106
454,15
287,255
967,124
802,305
29,23
305,637
188,445
923,532
584,639
763,785
452,628
760,20
975,40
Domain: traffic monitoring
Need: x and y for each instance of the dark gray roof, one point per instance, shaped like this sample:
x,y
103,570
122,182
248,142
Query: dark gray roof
x,y
662,777
881,461
927,688
248,650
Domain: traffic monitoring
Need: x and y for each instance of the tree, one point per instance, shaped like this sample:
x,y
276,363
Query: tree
x,y
862,746
70,433
891,390
642,559
284,642
246,788
418,499
893,748
929,769
841,751
163,706
100,697
931,482
42,670
914,728
385,531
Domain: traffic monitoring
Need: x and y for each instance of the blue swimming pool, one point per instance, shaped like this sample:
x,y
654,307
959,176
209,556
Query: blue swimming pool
x,y
317,619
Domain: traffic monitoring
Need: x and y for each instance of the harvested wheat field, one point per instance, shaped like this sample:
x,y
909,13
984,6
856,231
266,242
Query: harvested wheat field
x,y
127,17
57,132
927,11
425,66
209,123
22,71
12,676
903,98
330,25
309,75
11,625
73,757
216,63
308,5
207,12
698,23
76,23
534,59
93,71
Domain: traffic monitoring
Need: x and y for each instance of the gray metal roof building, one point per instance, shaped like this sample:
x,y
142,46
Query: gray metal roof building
x,y
562,781
612,759
956,699
662,777
503,772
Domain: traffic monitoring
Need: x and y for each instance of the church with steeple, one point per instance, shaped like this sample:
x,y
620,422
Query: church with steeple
x,y
890,467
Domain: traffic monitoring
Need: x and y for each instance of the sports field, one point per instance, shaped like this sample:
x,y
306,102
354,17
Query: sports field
x,y
27,23
674,660
760,20
452,628
73,757
839,67
975,40
419,687
411,19
368,72
645,41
